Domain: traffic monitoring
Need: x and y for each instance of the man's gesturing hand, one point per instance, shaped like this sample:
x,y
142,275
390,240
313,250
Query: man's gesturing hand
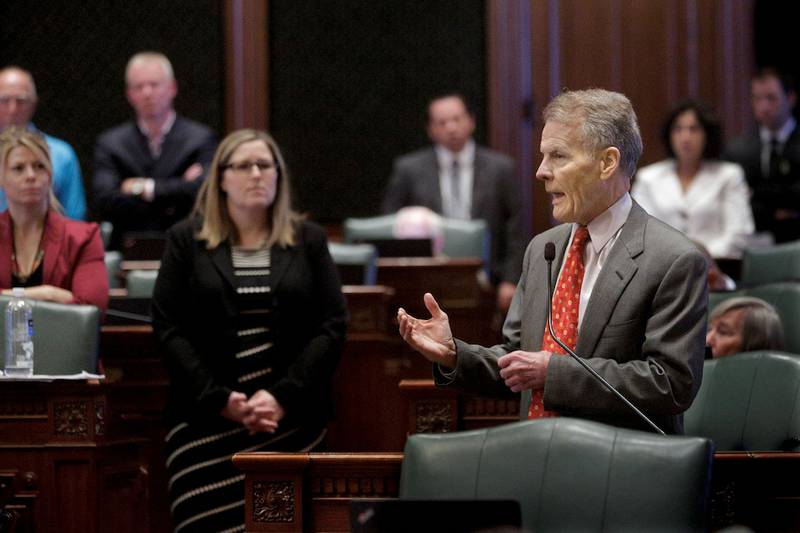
x,y
432,338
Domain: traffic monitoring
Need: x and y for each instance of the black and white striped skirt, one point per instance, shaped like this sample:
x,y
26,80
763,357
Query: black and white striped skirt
x,y
206,490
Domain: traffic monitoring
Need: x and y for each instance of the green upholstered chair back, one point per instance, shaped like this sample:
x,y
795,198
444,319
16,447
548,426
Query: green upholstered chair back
x,y
65,337
466,238
140,283
106,229
363,229
748,401
785,297
768,265
568,474
113,260
358,263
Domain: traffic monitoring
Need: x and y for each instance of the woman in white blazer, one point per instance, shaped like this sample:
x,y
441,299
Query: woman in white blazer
x,y
693,190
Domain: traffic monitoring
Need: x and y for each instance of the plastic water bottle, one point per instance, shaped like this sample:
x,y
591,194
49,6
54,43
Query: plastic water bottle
x,y
19,335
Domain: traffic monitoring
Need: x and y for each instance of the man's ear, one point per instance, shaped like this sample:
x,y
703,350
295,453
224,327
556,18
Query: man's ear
x,y
609,162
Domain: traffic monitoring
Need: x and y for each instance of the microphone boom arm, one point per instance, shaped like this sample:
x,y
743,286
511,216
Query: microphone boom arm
x,y
583,363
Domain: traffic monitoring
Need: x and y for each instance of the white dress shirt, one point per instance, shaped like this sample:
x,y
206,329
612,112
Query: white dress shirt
x,y
714,210
456,206
604,230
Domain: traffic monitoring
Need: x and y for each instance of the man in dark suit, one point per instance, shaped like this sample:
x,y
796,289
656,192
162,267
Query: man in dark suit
x,y
148,171
458,179
630,296
770,156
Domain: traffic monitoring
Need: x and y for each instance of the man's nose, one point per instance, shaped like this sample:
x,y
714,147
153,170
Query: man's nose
x,y
543,173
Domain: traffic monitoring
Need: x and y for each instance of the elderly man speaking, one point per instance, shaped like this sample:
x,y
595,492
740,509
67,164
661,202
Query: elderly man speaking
x,y
630,296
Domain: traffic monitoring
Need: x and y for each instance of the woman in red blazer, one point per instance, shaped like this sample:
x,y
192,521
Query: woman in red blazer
x,y
52,257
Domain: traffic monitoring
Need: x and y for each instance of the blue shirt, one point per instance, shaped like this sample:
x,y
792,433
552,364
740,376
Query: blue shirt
x,y
67,181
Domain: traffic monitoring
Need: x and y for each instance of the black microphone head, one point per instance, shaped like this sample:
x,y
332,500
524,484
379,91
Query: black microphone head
x,y
549,251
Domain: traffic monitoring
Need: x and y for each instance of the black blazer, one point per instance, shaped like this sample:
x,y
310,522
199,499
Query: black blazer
x,y
194,316
496,198
771,194
122,152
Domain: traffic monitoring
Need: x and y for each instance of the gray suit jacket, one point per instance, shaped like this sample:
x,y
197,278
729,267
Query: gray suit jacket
x,y
643,330
495,199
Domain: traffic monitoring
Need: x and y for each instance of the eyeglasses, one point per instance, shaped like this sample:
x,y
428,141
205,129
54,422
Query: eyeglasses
x,y
246,166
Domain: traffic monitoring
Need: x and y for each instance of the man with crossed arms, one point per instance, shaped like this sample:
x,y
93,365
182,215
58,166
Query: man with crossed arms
x,y
630,298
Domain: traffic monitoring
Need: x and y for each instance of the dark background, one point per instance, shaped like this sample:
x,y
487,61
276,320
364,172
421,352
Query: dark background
x,y
349,79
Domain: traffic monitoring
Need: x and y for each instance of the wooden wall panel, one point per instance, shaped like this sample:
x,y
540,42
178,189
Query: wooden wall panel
x,y
656,52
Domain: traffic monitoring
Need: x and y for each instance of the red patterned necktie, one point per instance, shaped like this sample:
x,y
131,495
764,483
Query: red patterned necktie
x,y
566,303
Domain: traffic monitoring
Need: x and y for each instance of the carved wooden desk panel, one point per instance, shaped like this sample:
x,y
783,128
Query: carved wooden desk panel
x,y
69,466
312,491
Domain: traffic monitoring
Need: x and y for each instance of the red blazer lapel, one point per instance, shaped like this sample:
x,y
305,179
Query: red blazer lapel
x,y
6,246
52,241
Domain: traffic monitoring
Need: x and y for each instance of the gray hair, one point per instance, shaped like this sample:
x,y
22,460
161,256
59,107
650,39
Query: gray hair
x,y
608,120
19,70
150,57
761,324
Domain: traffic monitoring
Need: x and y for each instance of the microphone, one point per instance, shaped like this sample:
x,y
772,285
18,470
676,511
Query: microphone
x,y
549,255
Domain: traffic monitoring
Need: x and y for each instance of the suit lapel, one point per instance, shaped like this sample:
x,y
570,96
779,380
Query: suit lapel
x,y
139,158
431,181
7,236
281,259
480,187
223,262
166,163
52,242
620,267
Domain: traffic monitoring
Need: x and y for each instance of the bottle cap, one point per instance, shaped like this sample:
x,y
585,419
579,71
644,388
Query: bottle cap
x,y
18,292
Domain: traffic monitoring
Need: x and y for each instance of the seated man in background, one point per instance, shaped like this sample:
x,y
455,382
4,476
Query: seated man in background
x,y
18,101
744,324
458,179
147,171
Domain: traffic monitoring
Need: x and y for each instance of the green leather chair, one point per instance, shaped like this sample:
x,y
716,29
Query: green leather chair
x,y
768,265
785,297
466,238
140,283
113,260
462,238
357,263
363,229
568,474
748,401
65,337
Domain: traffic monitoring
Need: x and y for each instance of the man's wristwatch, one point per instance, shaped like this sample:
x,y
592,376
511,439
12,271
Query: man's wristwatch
x,y
138,187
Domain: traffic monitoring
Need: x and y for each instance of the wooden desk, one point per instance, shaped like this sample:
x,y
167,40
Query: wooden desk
x,y
455,283
368,403
312,492
470,304
69,466
757,489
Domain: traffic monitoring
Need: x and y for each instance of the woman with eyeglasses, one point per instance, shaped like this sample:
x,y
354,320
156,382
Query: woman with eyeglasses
x,y
249,312
693,190
54,258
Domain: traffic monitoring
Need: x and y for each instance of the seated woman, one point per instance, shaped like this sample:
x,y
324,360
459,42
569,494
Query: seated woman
x,y
693,191
249,312
743,324
52,257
